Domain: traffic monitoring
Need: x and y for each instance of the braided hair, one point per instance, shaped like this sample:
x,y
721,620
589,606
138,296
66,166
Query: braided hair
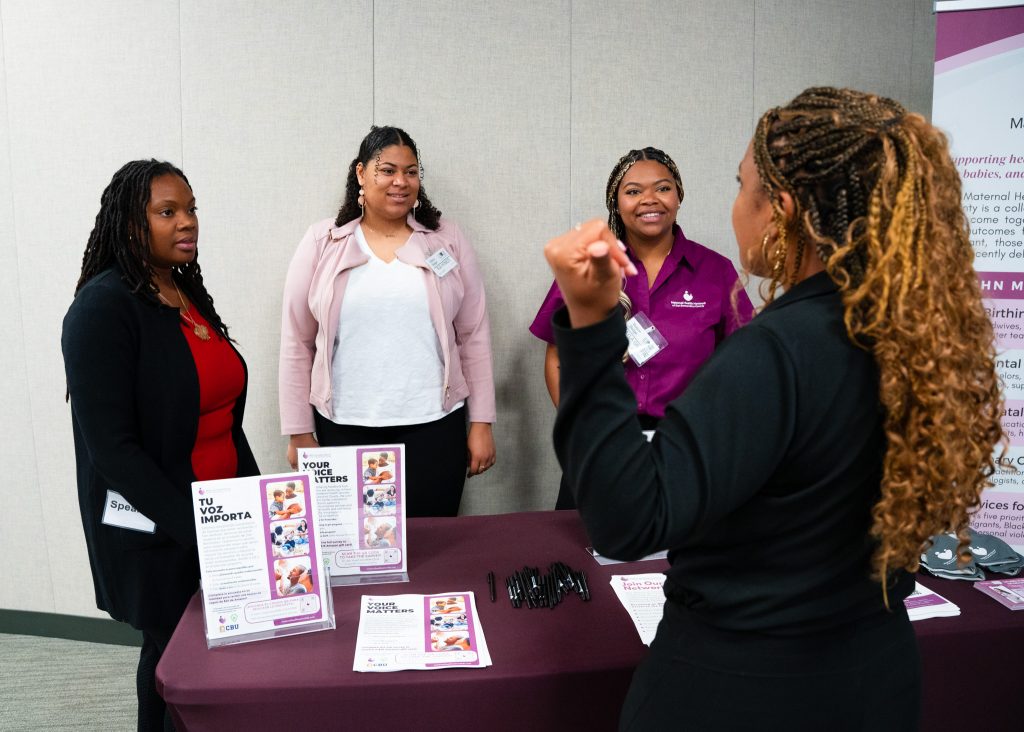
x,y
876,193
120,237
370,149
611,191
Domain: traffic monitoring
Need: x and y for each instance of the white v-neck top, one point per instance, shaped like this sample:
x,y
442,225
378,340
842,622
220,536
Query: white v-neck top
x,y
388,367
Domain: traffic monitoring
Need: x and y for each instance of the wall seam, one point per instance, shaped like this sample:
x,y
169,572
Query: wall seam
x,y
181,100
569,223
21,312
753,65
373,62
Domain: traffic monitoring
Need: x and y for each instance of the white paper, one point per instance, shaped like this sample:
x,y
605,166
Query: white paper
x,y
645,340
361,499
118,512
259,556
441,262
419,632
604,561
644,599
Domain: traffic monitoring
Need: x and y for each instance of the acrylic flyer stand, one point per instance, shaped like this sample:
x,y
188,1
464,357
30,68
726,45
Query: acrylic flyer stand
x,y
361,498
260,558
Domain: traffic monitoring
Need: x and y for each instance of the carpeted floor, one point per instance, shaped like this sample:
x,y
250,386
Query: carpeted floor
x,y
55,684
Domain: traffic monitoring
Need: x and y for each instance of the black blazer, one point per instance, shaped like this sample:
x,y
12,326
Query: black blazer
x,y
761,478
134,412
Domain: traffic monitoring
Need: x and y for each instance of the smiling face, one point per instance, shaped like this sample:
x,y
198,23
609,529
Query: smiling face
x,y
648,200
751,216
391,183
173,222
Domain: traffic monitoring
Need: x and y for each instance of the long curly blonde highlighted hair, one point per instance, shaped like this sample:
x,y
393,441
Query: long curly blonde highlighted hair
x,y
878,197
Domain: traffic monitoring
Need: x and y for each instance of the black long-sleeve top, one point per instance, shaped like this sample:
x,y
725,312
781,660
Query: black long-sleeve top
x,y
761,478
135,412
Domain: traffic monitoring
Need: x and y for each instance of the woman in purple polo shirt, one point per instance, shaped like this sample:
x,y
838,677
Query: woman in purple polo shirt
x,y
687,292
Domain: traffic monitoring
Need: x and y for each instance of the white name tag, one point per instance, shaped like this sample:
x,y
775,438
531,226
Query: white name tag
x,y
118,512
441,262
644,339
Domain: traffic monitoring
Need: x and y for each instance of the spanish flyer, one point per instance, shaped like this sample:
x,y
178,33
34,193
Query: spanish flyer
x,y
259,558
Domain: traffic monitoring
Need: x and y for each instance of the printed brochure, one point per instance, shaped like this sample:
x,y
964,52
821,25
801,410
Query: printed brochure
x,y
1007,592
923,603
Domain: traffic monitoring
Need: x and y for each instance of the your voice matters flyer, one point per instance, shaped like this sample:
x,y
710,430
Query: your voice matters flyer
x,y
361,511
260,558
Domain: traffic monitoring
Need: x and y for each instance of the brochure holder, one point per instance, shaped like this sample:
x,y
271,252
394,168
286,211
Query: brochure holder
x,y
213,641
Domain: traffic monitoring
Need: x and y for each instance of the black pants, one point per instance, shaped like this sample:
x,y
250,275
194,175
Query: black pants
x,y
700,678
435,458
565,498
153,714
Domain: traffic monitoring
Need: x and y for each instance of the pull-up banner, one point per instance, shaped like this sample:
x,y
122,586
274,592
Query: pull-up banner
x,y
979,102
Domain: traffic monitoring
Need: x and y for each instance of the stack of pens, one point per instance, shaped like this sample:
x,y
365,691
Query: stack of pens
x,y
528,586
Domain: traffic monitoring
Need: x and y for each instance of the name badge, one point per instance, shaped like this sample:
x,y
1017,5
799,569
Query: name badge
x,y
118,512
644,339
441,262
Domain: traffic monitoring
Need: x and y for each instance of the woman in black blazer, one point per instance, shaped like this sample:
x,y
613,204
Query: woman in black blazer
x,y
157,394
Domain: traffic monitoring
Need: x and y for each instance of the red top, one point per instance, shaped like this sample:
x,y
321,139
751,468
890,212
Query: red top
x,y
221,380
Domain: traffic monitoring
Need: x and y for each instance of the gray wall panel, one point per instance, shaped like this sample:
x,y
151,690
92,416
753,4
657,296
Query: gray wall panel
x,y
274,102
484,91
89,87
17,447
865,45
684,90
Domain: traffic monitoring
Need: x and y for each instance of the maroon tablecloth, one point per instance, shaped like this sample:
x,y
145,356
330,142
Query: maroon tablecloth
x,y
561,669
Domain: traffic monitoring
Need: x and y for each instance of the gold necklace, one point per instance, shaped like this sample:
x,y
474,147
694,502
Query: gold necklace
x,y
201,331
381,233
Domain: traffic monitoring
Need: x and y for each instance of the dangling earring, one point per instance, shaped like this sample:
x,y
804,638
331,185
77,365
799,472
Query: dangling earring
x,y
781,250
415,208
361,201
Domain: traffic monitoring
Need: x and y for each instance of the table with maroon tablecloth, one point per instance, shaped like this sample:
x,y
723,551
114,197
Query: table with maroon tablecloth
x,y
554,669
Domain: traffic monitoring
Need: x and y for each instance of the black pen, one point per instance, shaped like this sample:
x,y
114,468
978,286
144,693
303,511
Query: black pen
x,y
490,586
583,581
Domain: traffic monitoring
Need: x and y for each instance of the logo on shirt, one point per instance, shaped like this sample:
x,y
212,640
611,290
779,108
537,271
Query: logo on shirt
x,y
687,301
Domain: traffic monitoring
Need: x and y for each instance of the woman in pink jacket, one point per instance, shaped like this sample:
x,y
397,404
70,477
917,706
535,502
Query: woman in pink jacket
x,y
384,331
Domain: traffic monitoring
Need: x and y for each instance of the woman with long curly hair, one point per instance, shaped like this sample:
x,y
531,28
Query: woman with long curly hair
x,y
798,479
384,332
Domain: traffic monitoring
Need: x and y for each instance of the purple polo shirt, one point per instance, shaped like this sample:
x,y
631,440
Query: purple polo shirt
x,y
690,305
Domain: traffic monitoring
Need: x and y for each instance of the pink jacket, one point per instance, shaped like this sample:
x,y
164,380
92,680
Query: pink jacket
x,y
313,293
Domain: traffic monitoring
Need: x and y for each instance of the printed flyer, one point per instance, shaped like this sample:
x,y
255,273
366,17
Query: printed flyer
x,y
979,58
419,632
1006,592
259,557
361,511
644,599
